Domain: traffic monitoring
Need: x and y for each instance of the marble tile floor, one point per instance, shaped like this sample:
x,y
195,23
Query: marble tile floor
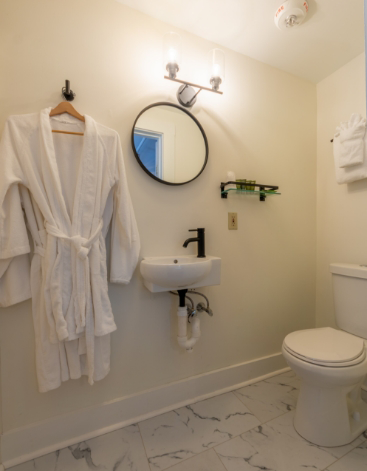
x,y
249,429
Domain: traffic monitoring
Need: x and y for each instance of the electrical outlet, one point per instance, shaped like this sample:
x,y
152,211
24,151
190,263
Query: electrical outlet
x,y
232,221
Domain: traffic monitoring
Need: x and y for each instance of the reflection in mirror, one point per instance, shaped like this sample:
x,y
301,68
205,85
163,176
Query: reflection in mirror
x,y
169,144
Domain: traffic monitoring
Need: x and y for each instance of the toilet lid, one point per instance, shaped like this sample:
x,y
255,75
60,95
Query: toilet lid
x,y
325,345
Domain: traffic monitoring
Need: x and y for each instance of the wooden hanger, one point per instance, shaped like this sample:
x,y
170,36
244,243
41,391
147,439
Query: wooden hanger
x,y
66,107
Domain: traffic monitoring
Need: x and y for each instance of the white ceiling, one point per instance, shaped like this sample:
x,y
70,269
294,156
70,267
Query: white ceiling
x,y
331,36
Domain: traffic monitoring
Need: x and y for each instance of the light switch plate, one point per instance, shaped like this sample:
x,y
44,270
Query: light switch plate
x,y
232,221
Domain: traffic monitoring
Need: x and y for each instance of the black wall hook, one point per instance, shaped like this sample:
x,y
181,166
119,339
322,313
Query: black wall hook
x,y
67,93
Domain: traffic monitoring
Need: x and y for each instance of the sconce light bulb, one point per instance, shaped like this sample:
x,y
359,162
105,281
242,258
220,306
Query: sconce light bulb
x,y
172,52
172,55
216,64
216,70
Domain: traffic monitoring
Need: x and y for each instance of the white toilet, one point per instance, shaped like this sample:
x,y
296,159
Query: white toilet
x,y
332,365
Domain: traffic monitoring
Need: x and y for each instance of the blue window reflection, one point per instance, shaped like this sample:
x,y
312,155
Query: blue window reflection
x,y
148,148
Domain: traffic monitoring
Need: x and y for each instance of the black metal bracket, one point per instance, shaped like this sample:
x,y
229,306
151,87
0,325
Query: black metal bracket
x,y
263,188
67,93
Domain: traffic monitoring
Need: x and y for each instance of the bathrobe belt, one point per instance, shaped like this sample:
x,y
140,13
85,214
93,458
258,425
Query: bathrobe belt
x,y
82,247
81,244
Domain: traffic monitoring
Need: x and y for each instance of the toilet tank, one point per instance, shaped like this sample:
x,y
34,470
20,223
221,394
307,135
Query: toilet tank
x,y
350,297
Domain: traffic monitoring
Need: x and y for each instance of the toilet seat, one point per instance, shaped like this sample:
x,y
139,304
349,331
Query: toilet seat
x,y
326,347
329,365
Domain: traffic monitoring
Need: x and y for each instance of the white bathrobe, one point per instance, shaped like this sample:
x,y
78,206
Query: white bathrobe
x,y
66,190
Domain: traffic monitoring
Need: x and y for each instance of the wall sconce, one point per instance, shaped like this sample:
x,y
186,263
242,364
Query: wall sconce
x,y
172,54
216,67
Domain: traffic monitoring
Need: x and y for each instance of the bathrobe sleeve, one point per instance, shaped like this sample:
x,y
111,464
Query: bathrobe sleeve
x,y
14,243
125,241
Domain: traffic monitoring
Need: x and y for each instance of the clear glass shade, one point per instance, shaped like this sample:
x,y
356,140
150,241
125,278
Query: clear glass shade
x,y
172,53
216,68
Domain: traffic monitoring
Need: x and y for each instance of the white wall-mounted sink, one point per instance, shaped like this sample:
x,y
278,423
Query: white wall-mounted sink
x,y
179,272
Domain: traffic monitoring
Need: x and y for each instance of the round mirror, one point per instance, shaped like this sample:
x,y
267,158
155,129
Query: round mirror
x,y
169,144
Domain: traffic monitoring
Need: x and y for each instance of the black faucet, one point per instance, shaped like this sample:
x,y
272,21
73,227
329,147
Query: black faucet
x,y
200,239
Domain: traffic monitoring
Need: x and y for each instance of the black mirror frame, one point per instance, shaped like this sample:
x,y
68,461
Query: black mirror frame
x,y
199,126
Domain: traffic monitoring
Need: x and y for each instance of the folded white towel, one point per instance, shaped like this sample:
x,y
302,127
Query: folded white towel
x,y
352,173
352,135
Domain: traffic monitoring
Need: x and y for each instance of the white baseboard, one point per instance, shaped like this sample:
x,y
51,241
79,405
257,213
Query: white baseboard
x,y
26,443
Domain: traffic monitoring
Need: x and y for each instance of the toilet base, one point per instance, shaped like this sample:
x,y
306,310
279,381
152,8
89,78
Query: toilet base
x,y
330,416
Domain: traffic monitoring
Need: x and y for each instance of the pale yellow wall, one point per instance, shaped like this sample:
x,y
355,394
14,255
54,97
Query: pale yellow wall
x,y
341,209
263,128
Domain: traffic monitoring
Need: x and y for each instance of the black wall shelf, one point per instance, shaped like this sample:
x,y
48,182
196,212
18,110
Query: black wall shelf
x,y
263,191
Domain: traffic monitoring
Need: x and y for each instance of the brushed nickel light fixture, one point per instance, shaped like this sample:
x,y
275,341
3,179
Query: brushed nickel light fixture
x,y
172,57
